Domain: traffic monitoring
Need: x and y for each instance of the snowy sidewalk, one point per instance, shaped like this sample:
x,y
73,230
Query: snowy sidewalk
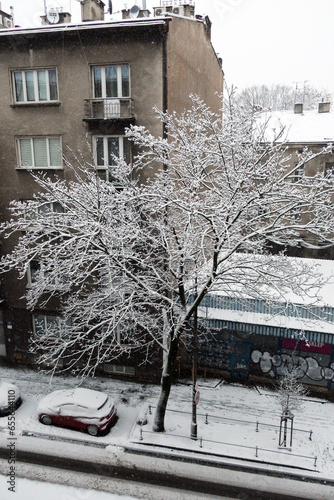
x,y
228,439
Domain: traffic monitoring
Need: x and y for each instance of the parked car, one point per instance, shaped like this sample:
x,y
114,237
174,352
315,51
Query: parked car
x,y
85,409
10,398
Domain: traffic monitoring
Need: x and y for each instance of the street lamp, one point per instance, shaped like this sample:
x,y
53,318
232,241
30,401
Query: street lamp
x,y
193,433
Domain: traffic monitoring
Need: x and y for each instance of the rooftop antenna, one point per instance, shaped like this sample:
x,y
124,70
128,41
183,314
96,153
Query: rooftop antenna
x,y
304,89
134,11
52,16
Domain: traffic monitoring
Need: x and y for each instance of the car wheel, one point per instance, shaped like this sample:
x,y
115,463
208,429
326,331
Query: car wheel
x,y
92,430
46,420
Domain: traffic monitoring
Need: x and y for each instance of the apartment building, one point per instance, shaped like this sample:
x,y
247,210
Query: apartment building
x,y
312,131
67,88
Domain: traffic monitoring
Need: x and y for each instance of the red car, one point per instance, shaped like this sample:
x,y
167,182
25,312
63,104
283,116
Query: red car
x,y
91,411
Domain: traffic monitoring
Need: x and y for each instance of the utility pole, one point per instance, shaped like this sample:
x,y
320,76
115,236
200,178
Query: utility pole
x,y
193,433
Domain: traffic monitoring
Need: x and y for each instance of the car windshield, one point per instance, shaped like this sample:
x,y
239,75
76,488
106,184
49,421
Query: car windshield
x,y
104,403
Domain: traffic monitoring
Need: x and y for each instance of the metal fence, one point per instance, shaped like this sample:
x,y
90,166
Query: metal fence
x,y
257,450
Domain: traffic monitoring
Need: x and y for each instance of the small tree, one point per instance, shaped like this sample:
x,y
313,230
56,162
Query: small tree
x,y
290,395
125,254
290,391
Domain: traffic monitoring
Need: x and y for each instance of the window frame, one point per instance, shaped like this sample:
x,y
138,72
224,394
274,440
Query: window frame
x,y
58,283
45,319
298,172
48,138
119,81
329,169
36,87
106,168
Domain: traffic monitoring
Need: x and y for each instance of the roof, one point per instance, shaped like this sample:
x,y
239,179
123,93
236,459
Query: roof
x,y
304,313
309,127
85,26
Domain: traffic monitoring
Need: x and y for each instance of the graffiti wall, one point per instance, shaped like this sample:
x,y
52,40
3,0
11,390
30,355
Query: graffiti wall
x,y
311,367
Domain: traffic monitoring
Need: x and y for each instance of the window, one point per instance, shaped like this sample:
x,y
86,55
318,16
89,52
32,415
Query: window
x,y
51,325
298,172
111,81
123,334
329,169
125,370
296,212
48,209
46,324
51,281
40,152
35,86
107,150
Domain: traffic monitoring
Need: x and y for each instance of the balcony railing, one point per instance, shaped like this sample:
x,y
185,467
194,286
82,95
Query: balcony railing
x,y
120,108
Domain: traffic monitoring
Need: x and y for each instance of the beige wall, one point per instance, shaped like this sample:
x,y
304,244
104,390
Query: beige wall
x,y
193,66
73,58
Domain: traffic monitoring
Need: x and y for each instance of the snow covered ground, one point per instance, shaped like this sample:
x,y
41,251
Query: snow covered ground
x,y
236,425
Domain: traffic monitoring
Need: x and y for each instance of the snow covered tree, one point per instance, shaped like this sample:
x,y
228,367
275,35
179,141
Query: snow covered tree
x,y
290,390
195,209
290,394
281,97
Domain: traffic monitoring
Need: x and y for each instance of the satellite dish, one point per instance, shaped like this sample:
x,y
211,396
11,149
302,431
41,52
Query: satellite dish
x,y
134,11
52,16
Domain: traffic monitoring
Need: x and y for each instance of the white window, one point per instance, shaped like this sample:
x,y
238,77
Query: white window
x,y
107,150
298,172
52,281
40,152
111,81
52,325
35,86
46,324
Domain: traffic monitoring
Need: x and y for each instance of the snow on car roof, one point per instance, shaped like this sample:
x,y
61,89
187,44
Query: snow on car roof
x,y
80,396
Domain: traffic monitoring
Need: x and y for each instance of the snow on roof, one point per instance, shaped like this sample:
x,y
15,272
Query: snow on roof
x,y
280,320
90,25
308,127
318,268
320,303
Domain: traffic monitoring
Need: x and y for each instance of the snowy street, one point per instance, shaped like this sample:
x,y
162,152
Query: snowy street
x,y
241,432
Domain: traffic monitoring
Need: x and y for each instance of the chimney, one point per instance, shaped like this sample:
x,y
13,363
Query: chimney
x,y
324,107
92,10
298,109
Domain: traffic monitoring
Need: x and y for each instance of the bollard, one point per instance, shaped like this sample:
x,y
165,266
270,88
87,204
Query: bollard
x,y
149,410
315,461
141,433
201,443
206,419
257,426
256,449
310,438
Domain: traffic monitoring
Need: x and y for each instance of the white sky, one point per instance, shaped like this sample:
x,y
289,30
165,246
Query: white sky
x,y
260,41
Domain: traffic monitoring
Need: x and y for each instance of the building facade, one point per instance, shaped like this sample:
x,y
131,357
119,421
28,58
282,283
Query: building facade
x,y
72,89
311,131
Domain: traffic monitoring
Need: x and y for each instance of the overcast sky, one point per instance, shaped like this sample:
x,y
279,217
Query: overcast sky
x,y
260,41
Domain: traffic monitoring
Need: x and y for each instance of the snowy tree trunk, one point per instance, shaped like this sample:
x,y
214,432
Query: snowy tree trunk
x,y
165,386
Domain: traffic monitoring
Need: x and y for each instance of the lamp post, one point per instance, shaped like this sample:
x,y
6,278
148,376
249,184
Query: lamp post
x,y
193,433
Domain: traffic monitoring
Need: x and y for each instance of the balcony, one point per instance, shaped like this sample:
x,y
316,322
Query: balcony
x,y
108,109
